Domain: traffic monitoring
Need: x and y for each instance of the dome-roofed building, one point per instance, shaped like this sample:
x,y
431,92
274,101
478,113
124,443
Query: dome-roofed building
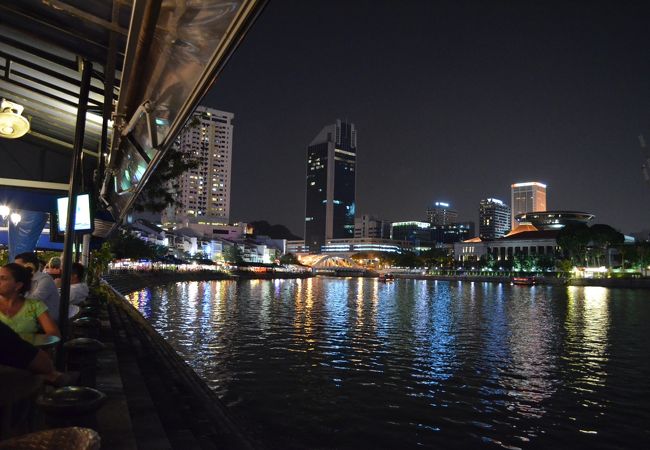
x,y
553,220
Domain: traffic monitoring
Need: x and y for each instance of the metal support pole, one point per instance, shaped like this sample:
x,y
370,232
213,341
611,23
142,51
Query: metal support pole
x,y
109,84
72,204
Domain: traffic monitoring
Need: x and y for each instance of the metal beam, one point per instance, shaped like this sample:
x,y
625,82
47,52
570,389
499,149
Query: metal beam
x,y
34,184
60,143
83,15
99,48
72,205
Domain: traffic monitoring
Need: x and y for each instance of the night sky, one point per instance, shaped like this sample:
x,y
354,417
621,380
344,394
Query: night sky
x,y
452,100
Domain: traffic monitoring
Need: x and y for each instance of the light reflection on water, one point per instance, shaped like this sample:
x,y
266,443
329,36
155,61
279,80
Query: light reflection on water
x,y
354,363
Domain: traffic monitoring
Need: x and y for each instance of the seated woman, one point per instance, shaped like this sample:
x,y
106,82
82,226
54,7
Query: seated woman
x,y
23,315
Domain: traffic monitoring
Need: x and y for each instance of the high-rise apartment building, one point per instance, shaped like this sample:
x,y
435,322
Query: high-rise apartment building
x,y
527,197
331,175
205,191
441,213
494,218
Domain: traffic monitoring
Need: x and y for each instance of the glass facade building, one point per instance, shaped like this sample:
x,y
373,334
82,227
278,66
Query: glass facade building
x,y
453,232
494,219
331,185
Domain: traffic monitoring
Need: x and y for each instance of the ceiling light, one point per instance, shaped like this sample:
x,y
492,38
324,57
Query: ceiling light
x,y
12,124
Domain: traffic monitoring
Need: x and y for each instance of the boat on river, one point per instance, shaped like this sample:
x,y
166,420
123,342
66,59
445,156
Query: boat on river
x,y
523,281
386,277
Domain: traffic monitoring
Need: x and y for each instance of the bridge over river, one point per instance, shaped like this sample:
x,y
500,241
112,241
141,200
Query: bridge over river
x,y
335,265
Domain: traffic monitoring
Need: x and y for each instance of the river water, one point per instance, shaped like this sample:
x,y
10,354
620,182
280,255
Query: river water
x,y
352,363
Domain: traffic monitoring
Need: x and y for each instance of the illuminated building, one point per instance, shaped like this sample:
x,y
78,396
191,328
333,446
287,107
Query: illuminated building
x,y
441,213
453,232
554,220
494,218
362,245
205,190
417,233
527,197
331,180
367,226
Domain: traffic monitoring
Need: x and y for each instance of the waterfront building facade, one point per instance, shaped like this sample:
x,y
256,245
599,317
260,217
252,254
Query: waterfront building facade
x,y
527,197
331,185
494,218
506,248
367,226
441,213
205,190
453,232
357,245
417,233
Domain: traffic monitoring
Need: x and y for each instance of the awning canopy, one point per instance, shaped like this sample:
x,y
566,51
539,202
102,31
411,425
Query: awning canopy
x,y
152,61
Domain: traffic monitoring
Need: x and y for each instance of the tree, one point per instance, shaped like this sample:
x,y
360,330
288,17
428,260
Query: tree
x,y
602,237
289,258
160,190
407,259
574,239
263,228
232,254
436,257
488,261
125,245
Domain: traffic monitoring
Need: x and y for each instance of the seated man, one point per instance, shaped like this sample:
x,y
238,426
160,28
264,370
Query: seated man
x,y
78,289
43,287
53,267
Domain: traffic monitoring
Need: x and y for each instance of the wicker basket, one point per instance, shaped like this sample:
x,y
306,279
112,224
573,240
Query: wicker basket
x,y
71,438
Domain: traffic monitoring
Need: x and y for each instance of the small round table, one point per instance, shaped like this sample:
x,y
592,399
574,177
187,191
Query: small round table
x,y
41,340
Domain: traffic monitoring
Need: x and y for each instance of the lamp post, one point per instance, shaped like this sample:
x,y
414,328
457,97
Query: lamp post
x,y
5,212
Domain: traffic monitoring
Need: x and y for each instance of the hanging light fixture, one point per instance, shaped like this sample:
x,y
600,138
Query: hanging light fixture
x,y
4,211
12,124
15,218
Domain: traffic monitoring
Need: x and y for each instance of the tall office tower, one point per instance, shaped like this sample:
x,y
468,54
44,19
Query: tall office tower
x,y
330,199
205,190
494,218
441,213
527,197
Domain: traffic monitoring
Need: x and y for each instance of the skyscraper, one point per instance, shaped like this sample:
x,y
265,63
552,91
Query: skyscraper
x,y
527,197
330,199
441,213
494,218
205,190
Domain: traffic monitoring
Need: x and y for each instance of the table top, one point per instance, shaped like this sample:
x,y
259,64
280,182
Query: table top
x,y
41,340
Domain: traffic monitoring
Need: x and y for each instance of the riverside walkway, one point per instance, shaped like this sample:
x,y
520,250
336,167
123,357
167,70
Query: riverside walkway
x,y
154,400
155,394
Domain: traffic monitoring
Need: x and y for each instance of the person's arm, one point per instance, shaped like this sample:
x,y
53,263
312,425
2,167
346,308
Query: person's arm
x,y
41,364
48,324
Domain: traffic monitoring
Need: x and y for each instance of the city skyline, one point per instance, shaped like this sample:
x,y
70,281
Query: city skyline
x,y
552,92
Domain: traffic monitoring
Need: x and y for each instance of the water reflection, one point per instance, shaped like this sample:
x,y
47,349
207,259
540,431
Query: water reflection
x,y
354,363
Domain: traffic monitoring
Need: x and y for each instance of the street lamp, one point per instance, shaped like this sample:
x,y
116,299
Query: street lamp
x,y
5,212
15,218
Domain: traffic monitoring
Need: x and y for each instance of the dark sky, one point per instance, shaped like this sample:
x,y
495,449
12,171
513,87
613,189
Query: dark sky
x,y
452,100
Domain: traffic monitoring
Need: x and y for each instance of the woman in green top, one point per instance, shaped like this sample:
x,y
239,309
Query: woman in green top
x,y
21,314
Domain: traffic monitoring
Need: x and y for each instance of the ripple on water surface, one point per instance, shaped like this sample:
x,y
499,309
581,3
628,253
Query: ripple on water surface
x,y
353,363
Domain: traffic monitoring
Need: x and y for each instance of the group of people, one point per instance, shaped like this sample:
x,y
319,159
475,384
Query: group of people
x,y
29,303
29,297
